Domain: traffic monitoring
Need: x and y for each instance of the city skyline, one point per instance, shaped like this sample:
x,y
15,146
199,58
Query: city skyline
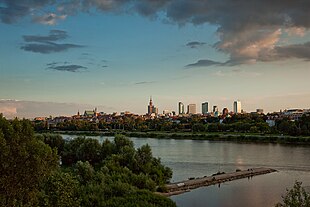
x,y
60,57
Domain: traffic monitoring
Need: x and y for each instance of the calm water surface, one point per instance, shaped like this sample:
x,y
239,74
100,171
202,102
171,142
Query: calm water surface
x,y
193,158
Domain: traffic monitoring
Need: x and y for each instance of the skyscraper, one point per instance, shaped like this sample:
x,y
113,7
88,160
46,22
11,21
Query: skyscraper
x,y
205,108
191,109
237,107
181,108
215,109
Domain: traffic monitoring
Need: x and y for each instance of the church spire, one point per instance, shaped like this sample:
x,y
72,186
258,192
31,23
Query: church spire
x,y
151,102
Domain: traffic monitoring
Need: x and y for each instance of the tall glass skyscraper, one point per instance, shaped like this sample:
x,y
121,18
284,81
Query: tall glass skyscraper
x,y
181,108
237,107
205,108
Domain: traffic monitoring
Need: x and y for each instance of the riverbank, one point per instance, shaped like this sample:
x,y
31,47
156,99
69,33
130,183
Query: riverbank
x,y
238,137
193,183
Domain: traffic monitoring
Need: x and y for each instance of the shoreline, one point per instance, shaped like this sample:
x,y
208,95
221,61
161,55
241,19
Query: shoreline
x,y
234,137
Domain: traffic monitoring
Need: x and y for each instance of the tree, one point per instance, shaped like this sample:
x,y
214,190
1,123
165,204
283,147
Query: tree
x,y
60,189
24,162
295,197
81,149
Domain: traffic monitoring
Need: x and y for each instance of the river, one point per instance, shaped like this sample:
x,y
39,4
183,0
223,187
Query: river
x,y
195,158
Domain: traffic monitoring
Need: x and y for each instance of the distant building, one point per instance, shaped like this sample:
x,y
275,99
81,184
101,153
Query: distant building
x,y
181,108
205,108
293,114
90,114
166,112
237,107
151,109
191,109
215,109
259,111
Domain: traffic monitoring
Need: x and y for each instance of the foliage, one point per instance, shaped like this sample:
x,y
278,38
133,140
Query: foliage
x,y
53,140
241,123
24,162
92,174
295,197
60,189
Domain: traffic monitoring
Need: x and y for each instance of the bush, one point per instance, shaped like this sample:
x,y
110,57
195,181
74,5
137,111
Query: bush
x,y
295,197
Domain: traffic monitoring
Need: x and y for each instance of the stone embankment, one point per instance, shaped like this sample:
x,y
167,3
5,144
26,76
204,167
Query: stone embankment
x,y
192,183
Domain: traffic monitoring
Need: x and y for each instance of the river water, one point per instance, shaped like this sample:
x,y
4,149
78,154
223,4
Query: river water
x,y
195,158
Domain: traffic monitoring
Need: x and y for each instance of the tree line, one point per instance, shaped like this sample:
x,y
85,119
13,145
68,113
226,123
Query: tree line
x,y
241,123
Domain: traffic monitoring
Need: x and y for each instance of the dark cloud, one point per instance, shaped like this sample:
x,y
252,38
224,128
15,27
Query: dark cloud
x,y
68,68
12,10
45,44
203,63
301,51
48,47
54,35
248,30
195,44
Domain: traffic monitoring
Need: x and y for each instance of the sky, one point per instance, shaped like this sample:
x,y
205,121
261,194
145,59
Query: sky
x,y
60,57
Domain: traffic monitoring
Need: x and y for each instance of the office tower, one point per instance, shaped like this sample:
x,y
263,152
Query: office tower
x,y
215,109
205,108
237,107
181,108
191,109
155,110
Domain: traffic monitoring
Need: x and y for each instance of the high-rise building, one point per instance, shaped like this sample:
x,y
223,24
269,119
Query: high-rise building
x,y
215,109
205,108
181,108
151,108
237,107
191,109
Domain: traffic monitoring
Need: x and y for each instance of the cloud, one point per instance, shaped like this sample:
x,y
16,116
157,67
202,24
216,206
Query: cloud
x,y
68,68
144,82
195,44
301,51
46,44
12,10
204,63
248,30
31,109
48,47
49,19
53,35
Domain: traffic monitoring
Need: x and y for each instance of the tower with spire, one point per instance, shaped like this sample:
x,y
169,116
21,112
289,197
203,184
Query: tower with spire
x,y
150,107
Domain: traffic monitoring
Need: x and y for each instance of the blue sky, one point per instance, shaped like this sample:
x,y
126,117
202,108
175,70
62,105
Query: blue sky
x,y
57,58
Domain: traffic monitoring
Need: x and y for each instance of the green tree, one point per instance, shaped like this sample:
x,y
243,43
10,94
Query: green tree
x,y
60,189
295,197
24,162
